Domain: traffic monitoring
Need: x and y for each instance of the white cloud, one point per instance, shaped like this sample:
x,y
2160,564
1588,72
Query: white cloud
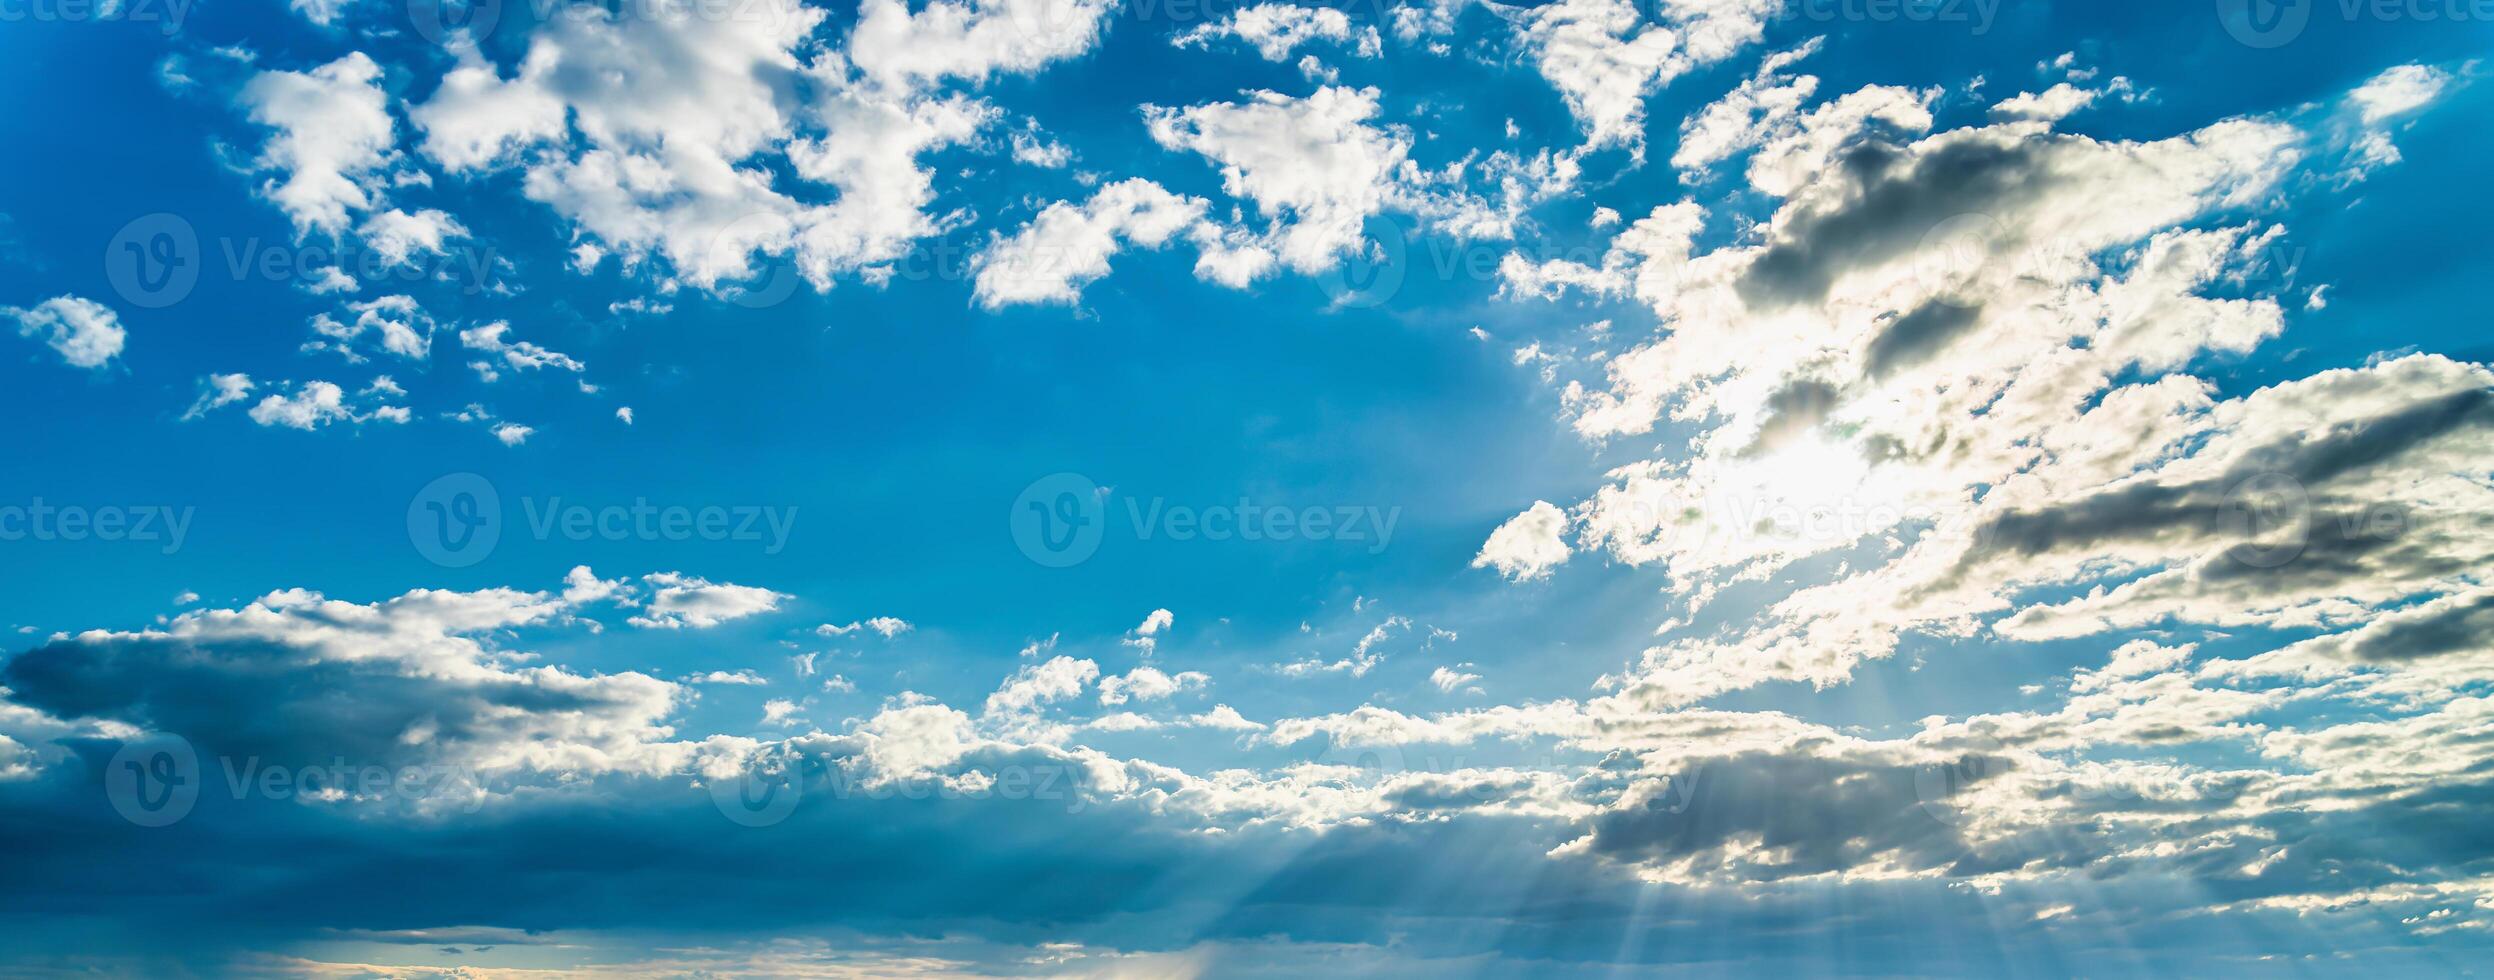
x,y
902,49
1605,57
739,678
679,601
405,329
315,404
1148,684
493,338
2050,105
84,332
1364,656
1146,636
2398,92
332,136
1067,246
887,626
680,117
1274,29
1449,679
2380,103
484,712
217,391
1994,404
399,236
1032,147
1314,166
1017,702
1529,545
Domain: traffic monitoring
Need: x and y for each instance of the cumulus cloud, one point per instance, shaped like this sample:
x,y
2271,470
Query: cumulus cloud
x,y
399,236
677,121
1276,29
331,138
217,391
494,339
1148,684
1606,56
886,626
2384,101
1529,545
1067,246
1450,679
84,332
680,601
2050,105
403,327
314,404
1315,167
414,680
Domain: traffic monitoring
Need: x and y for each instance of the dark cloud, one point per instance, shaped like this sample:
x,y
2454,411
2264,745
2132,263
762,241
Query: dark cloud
x,y
1901,199
1918,336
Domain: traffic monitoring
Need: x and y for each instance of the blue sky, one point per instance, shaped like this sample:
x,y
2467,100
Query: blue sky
x,y
1592,488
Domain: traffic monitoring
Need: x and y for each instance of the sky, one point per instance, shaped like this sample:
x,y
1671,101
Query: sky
x,y
1206,488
